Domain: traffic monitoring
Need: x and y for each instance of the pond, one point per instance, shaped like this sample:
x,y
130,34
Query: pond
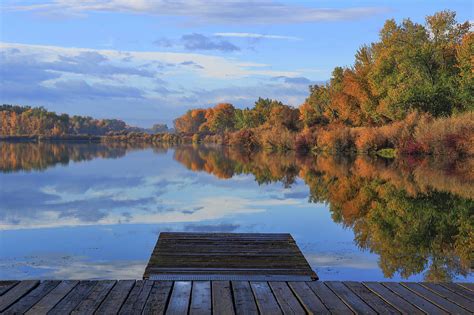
x,y
94,211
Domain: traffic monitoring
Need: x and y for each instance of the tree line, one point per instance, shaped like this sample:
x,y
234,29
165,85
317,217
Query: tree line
x,y
25,120
414,75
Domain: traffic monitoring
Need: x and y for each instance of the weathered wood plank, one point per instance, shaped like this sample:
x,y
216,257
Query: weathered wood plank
x,y
244,299
413,298
53,297
73,298
434,298
27,301
390,297
450,295
350,298
288,302
92,302
180,296
222,298
236,297
201,299
7,285
332,302
191,254
136,300
158,298
116,297
467,285
370,298
15,293
308,299
266,302
468,294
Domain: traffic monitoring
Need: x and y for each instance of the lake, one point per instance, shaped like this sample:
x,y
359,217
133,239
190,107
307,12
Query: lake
x,y
94,211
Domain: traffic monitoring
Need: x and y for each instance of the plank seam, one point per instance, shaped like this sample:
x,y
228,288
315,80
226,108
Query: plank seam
x,y
385,300
125,299
456,292
11,287
106,296
444,297
426,298
362,298
347,303
421,310
39,299
20,297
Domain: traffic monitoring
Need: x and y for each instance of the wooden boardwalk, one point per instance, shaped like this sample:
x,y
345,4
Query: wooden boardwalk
x,y
233,297
228,256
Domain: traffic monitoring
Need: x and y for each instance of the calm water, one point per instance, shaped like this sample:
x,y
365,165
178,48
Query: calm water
x,y
88,211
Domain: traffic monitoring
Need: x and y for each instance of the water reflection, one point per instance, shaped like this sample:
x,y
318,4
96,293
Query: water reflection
x,y
416,214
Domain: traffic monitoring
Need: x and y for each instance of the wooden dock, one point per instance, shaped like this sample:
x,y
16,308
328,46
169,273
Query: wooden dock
x,y
233,297
228,256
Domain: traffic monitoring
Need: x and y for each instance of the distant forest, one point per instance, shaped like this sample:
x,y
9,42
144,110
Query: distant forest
x,y
412,91
25,120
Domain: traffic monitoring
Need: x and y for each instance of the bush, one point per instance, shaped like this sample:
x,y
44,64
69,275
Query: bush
x,y
305,141
244,139
369,139
277,139
446,136
336,139
196,138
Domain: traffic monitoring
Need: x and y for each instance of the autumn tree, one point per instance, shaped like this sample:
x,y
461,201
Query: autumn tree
x,y
220,118
191,121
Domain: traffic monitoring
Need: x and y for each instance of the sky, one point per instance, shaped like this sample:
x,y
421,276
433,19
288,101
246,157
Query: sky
x,y
148,62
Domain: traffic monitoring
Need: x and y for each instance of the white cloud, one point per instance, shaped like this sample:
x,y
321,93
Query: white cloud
x,y
212,66
204,11
256,36
204,209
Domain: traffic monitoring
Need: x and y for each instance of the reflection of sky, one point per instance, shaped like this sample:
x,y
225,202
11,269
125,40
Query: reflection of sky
x,y
101,218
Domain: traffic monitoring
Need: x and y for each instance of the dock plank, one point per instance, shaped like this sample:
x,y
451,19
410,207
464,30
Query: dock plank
x,y
288,302
7,285
25,303
423,304
392,298
222,298
350,298
180,297
449,295
370,298
116,297
244,298
136,300
434,298
333,303
16,292
308,299
266,302
92,302
73,298
467,285
158,298
201,298
53,297
234,297
468,294
223,256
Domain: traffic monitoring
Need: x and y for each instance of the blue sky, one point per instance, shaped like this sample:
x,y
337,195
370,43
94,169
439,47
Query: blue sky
x,y
149,61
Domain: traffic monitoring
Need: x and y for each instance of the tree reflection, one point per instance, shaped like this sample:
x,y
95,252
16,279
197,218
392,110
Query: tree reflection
x,y
29,156
416,214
